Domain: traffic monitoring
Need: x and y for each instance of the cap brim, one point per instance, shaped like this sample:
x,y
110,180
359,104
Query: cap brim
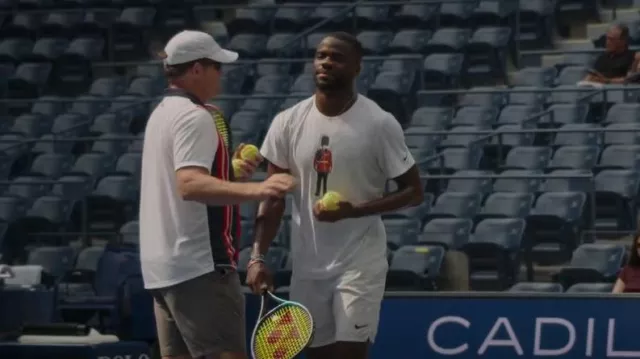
x,y
224,56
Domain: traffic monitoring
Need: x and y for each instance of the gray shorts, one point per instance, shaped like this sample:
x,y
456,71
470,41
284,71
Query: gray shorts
x,y
202,316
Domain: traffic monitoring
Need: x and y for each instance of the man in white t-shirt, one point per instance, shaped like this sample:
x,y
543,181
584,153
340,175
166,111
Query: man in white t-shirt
x,y
336,140
188,218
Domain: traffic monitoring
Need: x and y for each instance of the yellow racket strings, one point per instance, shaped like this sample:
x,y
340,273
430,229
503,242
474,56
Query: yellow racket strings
x,y
283,334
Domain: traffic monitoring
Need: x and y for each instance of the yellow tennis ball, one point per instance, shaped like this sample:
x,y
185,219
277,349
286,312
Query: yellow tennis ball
x,y
330,200
249,152
237,167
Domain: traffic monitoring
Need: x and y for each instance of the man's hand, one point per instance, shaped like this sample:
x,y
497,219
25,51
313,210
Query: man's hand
x,y
344,211
259,277
277,185
248,167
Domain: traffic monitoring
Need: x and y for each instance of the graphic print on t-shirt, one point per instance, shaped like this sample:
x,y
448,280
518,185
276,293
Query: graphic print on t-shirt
x,y
322,164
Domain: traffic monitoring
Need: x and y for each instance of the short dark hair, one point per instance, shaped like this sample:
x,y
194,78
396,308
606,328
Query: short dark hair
x,y
350,39
624,30
177,70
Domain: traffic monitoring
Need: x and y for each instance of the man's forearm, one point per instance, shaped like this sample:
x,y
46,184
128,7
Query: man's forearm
x,y
268,221
617,80
214,191
405,197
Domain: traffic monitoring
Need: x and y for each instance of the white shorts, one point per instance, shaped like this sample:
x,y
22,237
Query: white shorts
x,y
345,309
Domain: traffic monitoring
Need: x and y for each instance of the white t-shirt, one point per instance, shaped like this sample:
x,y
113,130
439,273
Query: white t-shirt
x,y
358,151
176,236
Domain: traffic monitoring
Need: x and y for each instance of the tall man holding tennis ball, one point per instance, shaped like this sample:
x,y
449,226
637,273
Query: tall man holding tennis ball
x,y
338,249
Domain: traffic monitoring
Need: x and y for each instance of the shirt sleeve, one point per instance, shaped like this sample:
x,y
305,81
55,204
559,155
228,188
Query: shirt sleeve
x,y
195,140
274,148
623,274
395,158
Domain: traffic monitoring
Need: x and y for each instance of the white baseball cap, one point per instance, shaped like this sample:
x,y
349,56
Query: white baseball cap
x,y
189,45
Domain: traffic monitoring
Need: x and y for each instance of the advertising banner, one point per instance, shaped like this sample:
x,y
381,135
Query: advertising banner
x,y
507,327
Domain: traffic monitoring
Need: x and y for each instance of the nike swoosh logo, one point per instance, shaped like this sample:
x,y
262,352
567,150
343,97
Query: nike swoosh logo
x,y
361,326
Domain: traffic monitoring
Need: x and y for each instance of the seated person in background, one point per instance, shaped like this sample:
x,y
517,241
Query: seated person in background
x,y
629,278
613,66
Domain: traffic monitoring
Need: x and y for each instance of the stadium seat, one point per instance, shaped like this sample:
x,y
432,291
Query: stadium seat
x,y
616,194
442,70
50,165
553,225
592,263
527,158
401,231
15,50
415,267
448,40
333,15
55,261
591,288
533,287
454,204
506,205
535,76
251,19
291,18
470,181
130,233
620,157
493,252
129,31
450,233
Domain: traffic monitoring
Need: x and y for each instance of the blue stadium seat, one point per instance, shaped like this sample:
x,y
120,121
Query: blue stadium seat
x,y
272,84
390,90
442,70
311,43
284,44
251,19
574,157
401,231
49,106
571,75
415,267
50,165
91,166
470,181
291,18
27,187
23,24
533,287
493,252
591,288
72,187
409,41
536,23
454,159
456,14
48,214
303,84
90,105
472,137
593,263
483,96
333,16
375,42
129,164
623,112
448,40
55,261
578,135
29,126
70,124
553,225
568,180
12,208
506,205
433,117
566,94
516,114
453,204
61,23
421,15
535,77
528,95
110,144
450,233
622,134
48,49
620,157
15,50
248,45
110,123
486,54
372,16
128,31
29,80
616,199
561,114
144,86
518,181
481,117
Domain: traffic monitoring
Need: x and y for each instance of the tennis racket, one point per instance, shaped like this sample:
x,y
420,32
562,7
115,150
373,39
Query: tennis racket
x,y
282,332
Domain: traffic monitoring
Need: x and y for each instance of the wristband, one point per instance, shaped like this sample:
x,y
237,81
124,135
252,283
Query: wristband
x,y
254,260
